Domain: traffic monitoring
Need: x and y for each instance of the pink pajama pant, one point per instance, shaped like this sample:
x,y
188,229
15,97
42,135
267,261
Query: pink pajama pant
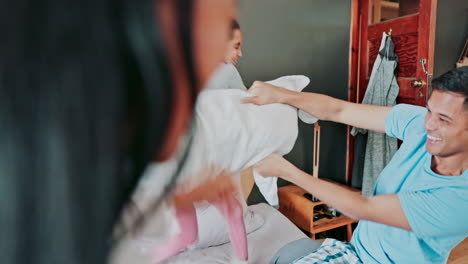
x,y
232,211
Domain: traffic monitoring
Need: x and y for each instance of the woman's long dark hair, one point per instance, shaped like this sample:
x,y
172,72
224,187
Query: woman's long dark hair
x,y
85,98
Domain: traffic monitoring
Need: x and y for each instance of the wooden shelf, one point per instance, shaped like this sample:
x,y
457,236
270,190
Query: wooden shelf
x,y
325,224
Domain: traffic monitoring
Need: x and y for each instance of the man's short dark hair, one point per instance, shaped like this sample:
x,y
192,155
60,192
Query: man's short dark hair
x,y
455,81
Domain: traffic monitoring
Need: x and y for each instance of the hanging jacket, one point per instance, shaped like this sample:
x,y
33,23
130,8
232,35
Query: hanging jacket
x,y
382,90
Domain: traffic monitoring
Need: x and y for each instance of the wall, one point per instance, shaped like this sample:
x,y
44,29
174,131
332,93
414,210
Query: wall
x,y
451,33
309,37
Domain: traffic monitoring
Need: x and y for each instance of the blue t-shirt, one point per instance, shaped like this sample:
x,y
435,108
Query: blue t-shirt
x,y
436,206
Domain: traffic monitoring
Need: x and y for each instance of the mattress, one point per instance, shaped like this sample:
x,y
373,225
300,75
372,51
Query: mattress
x,y
263,243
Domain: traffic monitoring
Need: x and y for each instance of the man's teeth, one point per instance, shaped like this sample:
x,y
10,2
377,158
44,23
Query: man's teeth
x,y
433,138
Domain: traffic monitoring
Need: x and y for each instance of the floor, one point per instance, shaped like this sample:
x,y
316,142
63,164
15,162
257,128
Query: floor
x,y
459,254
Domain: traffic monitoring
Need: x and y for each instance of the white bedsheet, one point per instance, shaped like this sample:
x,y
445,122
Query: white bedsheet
x,y
263,243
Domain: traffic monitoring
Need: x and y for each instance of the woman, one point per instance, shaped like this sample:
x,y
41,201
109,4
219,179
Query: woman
x,y
88,96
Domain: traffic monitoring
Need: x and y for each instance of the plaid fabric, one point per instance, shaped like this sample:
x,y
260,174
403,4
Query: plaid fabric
x,y
332,251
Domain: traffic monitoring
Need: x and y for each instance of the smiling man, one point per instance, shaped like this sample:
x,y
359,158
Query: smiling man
x,y
418,211
446,126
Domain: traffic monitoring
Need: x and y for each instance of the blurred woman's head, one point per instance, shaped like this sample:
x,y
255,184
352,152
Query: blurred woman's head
x,y
196,44
90,92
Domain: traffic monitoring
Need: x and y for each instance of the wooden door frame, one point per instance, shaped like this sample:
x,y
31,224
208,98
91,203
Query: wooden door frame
x,y
427,32
360,14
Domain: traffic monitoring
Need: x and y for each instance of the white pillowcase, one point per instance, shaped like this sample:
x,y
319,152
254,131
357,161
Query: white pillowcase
x,y
213,229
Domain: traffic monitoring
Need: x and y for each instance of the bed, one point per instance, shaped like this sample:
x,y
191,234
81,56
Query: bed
x,y
263,243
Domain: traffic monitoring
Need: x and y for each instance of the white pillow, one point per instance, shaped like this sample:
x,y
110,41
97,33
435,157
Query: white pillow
x,y
213,228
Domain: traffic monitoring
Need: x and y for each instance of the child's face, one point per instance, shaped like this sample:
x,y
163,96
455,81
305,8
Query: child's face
x,y
234,52
211,28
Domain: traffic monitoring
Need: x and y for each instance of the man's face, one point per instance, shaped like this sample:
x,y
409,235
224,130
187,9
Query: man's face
x,y
234,48
446,124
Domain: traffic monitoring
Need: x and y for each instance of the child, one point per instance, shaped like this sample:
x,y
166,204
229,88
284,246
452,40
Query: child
x,y
228,135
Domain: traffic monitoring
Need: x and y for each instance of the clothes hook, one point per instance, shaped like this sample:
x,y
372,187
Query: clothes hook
x,y
423,63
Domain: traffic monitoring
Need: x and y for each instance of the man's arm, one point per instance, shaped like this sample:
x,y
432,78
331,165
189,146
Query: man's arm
x,y
322,106
385,209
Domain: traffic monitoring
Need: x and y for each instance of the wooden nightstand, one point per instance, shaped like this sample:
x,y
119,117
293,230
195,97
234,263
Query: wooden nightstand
x,y
300,211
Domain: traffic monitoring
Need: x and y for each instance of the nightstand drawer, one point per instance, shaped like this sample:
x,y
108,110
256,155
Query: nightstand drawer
x,y
300,211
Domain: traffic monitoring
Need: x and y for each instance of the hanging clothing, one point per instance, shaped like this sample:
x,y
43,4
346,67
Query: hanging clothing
x,y
382,90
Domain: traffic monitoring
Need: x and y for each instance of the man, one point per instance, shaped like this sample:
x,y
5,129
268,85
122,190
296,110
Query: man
x,y
227,76
418,211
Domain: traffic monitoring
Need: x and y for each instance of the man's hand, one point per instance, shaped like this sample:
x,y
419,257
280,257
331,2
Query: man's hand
x,y
276,166
264,93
